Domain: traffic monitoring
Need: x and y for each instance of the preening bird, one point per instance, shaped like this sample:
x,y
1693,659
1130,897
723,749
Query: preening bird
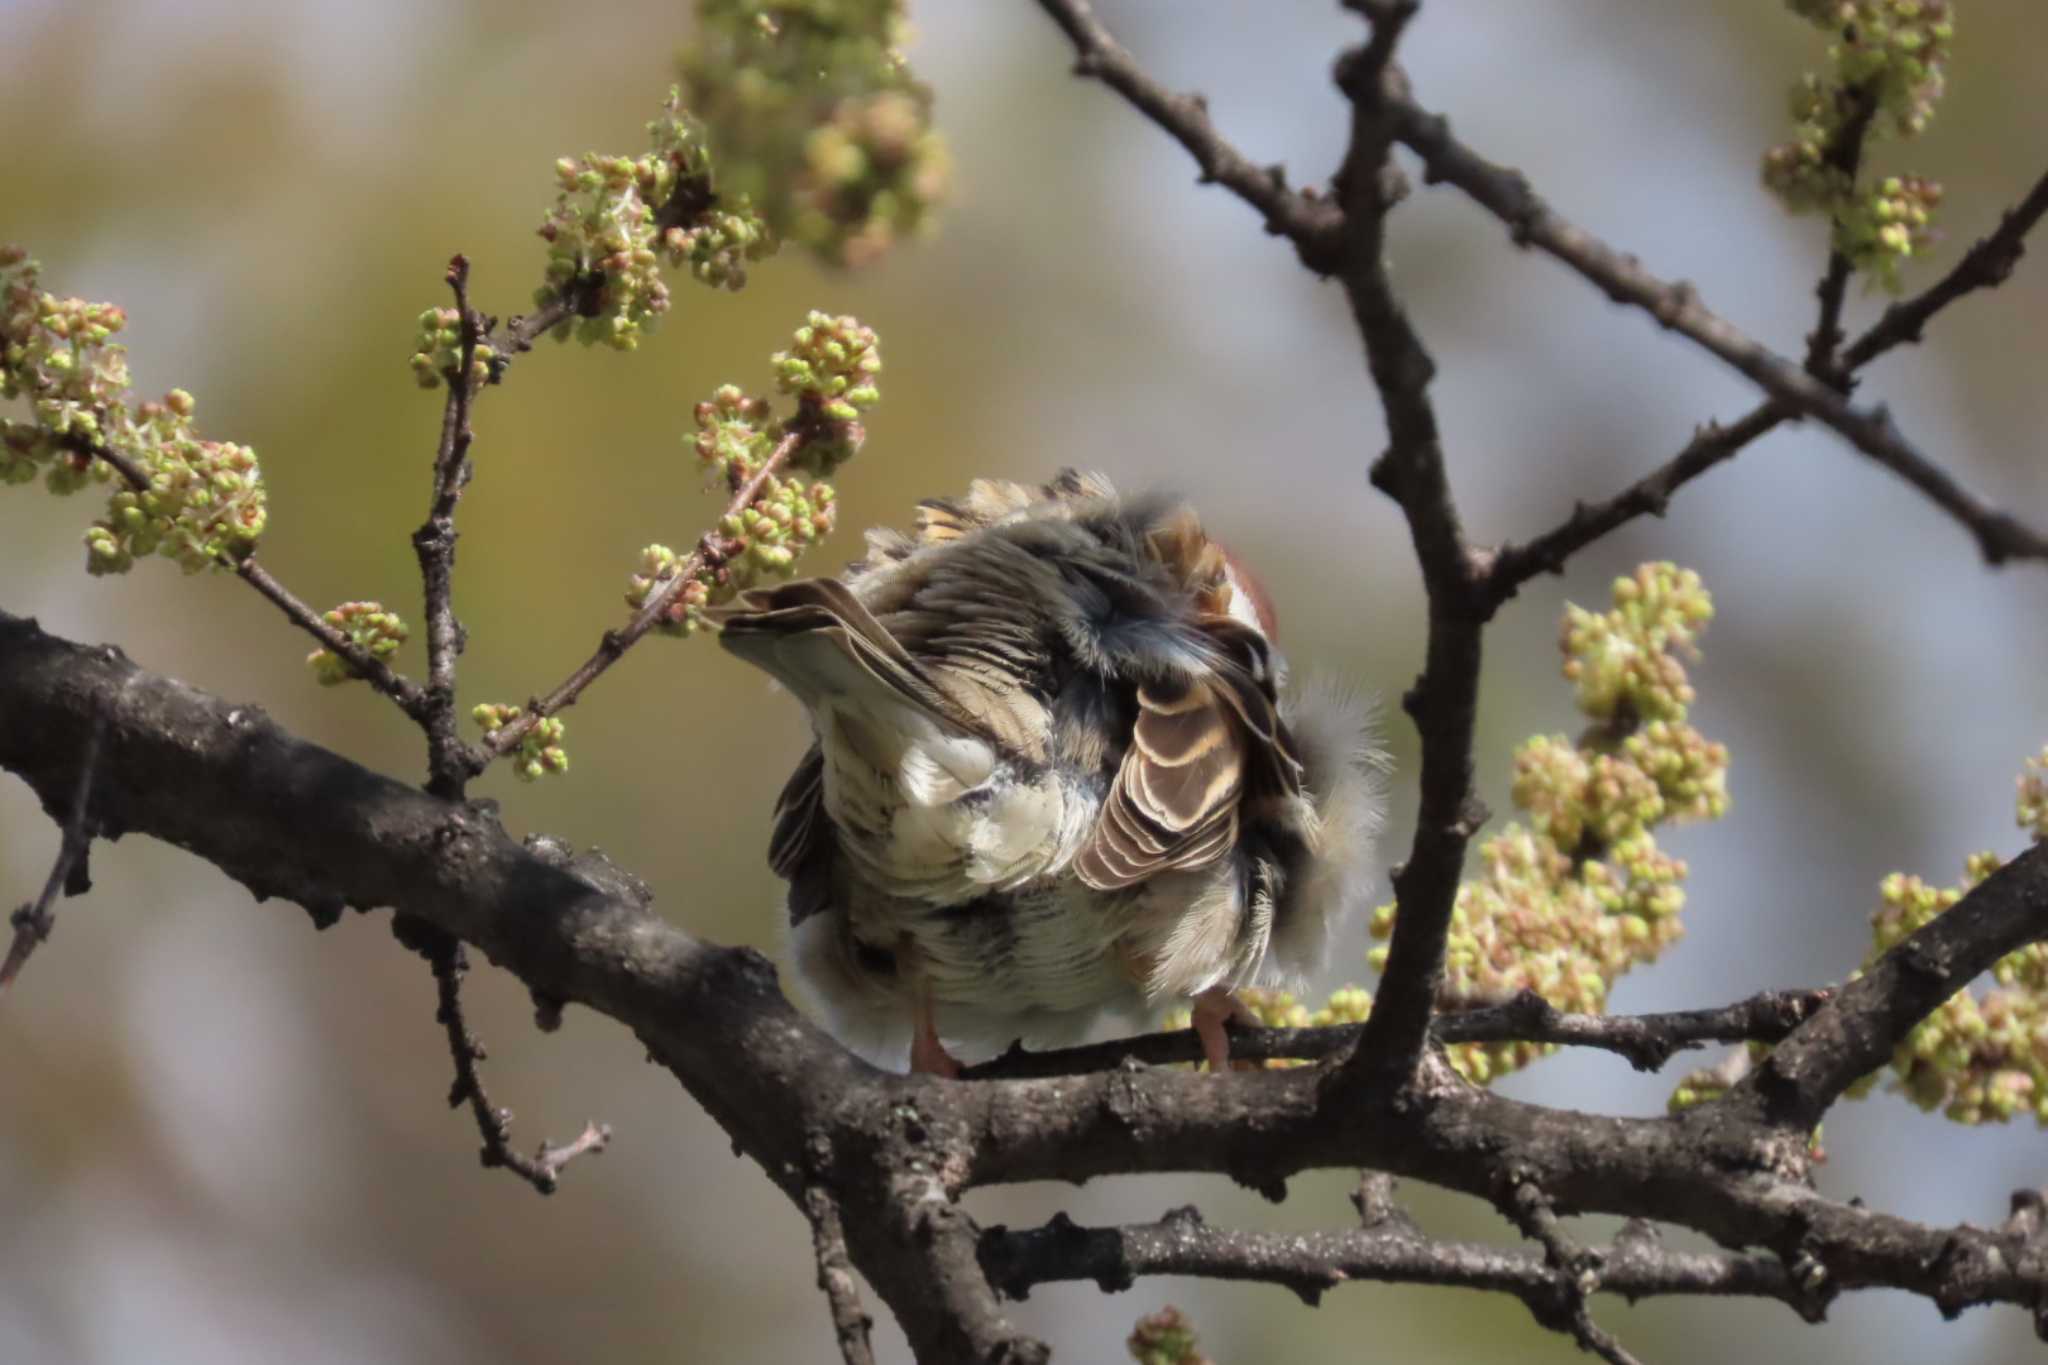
x,y
1056,767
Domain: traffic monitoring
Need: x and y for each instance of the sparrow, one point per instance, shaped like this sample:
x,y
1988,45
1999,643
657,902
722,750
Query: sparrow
x,y
1056,768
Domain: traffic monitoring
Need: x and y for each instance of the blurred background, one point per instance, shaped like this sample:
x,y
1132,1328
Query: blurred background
x,y
221,1134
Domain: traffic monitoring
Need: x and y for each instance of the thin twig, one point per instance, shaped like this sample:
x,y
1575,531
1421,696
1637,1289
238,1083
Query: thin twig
x,y
1647,1041
1377,1209
33,921
850,1322
1676,306
1986,265
1561,1306
711,551
582,297
1513,565
543,1169
380,675
410,697
1844,155
1313,224
449,760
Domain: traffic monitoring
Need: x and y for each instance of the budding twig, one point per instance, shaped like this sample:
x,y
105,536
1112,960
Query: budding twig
x,y
449,760
34,920
710,553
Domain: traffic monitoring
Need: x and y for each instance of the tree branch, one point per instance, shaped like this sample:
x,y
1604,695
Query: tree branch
x,y
1646,1040
919,1249
1575,1273
449,760
288,818
850,1323
542,1170
1844,154
1444,701
1513,565
1857,1032
34,920
1531,222
1986,265
1312,1263
1313,224
367,666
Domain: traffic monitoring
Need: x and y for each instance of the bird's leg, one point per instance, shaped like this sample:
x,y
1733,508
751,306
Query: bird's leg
x,y
928,1056
1212,1009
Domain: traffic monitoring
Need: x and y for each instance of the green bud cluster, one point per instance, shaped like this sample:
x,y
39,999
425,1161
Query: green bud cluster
x,y
204,506
1885,227
60,354
619,220
540,749
684,614
1165,1338
765,538
1889,56
735,434
818,120
368,626
1631,654
2031,807
1582,893
1981,1056
830,367
439,350
204,503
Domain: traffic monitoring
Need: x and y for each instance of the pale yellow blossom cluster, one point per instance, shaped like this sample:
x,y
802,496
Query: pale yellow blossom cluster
x,y
369,627
1886,60
818,121
1568,902
830,368
1982,1056
202,502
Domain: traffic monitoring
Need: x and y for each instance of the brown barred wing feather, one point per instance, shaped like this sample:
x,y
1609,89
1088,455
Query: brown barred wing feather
x,y
1173,803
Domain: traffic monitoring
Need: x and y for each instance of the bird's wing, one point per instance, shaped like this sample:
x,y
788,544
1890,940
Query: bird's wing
x,y
799,815
1173,802
816,638
800,850
1199,746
